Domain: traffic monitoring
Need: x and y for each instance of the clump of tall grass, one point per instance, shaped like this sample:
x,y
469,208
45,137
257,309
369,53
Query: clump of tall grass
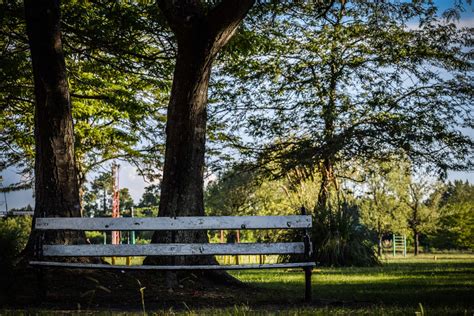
x,y
339,239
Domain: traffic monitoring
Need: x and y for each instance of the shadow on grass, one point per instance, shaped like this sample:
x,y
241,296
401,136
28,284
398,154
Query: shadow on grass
x,y
399,284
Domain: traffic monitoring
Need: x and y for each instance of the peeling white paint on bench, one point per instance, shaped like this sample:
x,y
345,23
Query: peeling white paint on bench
x,y
173,268
174,223
172,249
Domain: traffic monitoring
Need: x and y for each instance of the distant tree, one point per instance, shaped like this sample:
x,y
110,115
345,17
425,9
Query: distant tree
x,y
455,229
383,209
244,191
97,198
422,197
151,196
126,202
101,188
89,203
231,193
27,208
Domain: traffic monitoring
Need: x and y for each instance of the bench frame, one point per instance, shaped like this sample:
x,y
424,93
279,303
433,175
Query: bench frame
x,y
302,222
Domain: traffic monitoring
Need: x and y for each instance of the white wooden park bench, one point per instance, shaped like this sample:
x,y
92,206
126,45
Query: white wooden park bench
x,y
301,222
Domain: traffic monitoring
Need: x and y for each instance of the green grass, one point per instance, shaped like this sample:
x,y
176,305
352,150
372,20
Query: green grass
x,y
423,285
438,284
441,286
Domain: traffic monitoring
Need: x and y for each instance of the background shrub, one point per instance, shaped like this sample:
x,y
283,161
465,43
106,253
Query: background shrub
x,y
340,240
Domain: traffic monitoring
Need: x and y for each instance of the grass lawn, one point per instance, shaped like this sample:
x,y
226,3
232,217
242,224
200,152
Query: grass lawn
x,y
423,285
427,284
400,286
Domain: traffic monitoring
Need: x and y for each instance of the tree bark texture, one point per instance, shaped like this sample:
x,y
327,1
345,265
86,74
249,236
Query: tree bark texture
x,y
201,33
56,183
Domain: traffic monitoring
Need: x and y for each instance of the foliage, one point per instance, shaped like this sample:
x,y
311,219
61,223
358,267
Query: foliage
x,y
361,84
340,240
16,95
422,198
97,198
14,232
382,208
126,202
119,62
95,237
151,196
232,193
455,229
244,190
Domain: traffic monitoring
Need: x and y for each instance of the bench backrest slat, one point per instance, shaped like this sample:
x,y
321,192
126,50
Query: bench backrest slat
x,y
172,249
174,223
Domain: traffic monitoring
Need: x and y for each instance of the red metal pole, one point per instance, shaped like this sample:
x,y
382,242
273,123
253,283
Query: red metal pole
x,y
115,202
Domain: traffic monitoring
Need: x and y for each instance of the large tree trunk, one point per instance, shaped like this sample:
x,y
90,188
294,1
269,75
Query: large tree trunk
x,y
56,183
182,185
200,34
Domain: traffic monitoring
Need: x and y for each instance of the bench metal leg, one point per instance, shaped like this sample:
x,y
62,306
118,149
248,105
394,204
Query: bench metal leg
x,y
307,279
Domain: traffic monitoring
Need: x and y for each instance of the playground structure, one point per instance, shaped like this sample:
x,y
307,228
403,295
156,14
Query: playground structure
x,y
399,244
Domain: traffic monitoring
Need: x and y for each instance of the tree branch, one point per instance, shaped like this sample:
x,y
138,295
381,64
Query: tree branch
x,y
224,19
90,97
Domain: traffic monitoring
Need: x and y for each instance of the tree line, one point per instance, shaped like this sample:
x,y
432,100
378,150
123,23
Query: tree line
x,y
391,200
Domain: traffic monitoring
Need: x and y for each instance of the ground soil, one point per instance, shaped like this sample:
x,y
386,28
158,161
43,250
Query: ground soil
x,y
92,290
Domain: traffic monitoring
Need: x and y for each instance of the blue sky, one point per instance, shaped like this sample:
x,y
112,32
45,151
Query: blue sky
x,y
129,177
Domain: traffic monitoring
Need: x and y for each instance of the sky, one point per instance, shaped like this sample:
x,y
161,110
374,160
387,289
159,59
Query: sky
x,y
130,178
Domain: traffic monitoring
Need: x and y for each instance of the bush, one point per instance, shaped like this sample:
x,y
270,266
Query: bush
x,y
455,230
340,240
95,237
14,232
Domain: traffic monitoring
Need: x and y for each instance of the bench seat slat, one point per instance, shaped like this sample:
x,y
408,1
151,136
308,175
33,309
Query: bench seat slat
x,y
151,267
174,223
171,249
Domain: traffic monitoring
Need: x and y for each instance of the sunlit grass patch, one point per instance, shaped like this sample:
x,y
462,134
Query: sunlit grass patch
x,y
442,284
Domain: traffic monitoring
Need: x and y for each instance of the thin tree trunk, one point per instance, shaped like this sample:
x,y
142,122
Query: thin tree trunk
x,y
379,245
327,179
416,239
414,226
56,182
